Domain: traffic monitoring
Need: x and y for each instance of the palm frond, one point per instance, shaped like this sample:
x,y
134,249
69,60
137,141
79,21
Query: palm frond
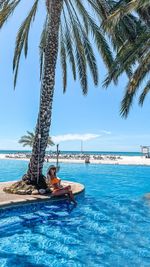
x,y
102,46
69,47
146,90
122,9
127,56
99,37
80,55
134,84
28,140
82,12
50,142
30,134
102,8
91,59
22,39
6,9
3,3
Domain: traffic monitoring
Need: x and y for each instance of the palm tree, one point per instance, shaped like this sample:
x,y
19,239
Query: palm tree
x,y
28,140
67,28
135,56
124,7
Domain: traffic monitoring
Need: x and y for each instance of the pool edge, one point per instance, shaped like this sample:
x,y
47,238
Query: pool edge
x,y
19,200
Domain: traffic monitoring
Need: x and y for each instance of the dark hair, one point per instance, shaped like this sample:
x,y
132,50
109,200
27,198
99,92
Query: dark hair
x,y
50,168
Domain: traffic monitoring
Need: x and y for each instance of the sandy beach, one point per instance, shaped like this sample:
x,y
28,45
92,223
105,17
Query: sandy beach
x,y
105,159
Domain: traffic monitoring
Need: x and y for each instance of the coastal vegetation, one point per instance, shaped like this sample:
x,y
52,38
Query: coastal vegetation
x,y
28,140
68,29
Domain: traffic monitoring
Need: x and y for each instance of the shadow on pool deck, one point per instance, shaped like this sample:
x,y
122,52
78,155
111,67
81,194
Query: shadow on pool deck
x,y
7,200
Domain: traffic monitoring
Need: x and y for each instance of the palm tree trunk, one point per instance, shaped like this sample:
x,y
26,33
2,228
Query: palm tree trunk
x,y
34,173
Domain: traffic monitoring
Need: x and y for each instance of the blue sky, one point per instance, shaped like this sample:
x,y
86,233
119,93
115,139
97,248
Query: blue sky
x,y
94,119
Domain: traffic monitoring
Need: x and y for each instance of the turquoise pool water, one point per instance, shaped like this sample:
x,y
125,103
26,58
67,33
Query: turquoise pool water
x,y
109,227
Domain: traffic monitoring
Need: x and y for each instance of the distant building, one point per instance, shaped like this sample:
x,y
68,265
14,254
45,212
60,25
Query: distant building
x,y
87,159
145,151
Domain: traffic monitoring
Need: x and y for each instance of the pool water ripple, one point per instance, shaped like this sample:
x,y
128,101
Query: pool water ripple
x,y
109,227
78,238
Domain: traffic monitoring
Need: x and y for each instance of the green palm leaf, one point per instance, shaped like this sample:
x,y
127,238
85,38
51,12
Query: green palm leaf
x,y
6,9
134,84
69,47
79,49
127,57
28,140
91,59
124,8
22,39
99,37
146,90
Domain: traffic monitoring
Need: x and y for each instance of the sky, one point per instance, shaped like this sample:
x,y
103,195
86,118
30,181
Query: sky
x,y
94,118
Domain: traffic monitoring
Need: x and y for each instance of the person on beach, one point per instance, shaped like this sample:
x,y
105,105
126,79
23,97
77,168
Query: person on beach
x,y
55,183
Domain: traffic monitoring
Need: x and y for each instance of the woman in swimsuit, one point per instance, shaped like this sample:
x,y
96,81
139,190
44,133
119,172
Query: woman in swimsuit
x,y
55,183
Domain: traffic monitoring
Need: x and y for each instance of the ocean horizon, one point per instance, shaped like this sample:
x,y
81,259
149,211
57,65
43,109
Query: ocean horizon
x,y
120,153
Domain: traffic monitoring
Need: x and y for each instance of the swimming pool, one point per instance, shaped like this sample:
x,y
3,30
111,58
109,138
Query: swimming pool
x,y
109,227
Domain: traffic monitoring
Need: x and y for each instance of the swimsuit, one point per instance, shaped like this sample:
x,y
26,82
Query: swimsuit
x,y
54,182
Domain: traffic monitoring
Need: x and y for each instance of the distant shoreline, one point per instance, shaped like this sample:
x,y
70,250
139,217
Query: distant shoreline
x,y
94,159
119,153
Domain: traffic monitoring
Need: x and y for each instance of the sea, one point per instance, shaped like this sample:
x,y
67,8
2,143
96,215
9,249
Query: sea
x,y
119,153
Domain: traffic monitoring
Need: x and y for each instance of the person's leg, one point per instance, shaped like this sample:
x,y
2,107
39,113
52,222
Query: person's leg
x,y
62,192
59,192
72,197
68,187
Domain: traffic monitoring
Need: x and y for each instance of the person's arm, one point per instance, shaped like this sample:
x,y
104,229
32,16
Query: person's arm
x,y
50,185
58,185
59,182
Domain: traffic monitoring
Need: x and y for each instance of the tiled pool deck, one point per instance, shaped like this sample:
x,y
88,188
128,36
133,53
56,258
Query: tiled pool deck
x,y
7,200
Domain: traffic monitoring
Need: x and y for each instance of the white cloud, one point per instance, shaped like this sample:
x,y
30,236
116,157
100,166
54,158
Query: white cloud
x,y
73,137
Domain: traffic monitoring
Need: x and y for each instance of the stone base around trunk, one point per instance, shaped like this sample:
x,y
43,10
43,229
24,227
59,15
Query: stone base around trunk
x,y
21,188
28,187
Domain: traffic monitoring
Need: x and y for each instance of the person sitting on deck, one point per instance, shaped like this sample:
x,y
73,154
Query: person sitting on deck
x,y
55,183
